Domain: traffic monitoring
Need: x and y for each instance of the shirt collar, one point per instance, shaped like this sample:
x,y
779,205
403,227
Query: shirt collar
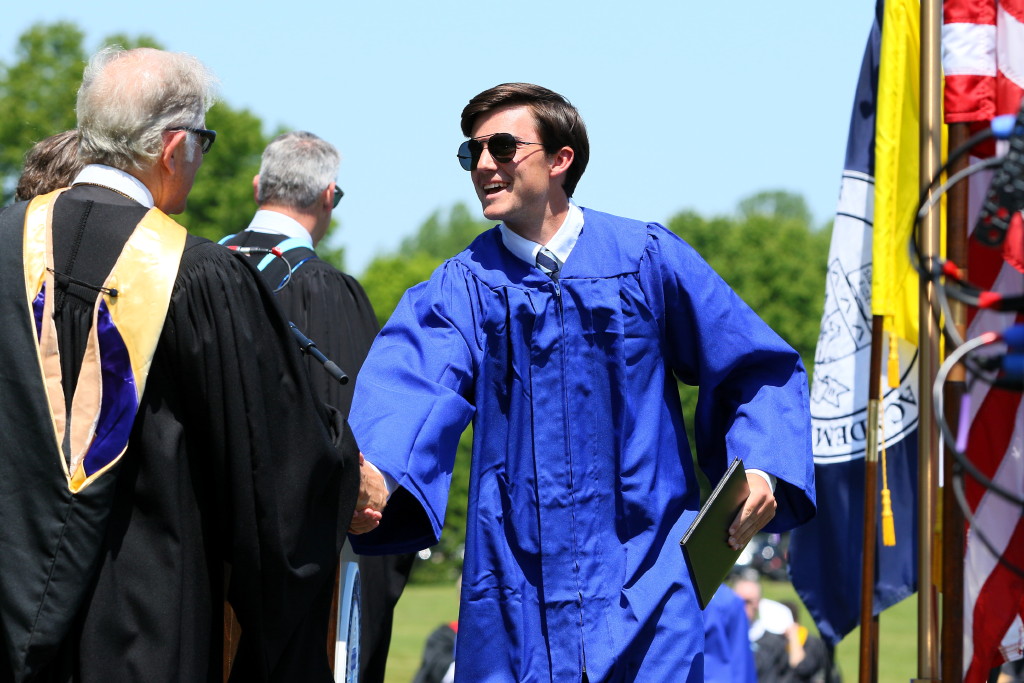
x,y
117,180
560,245
279,224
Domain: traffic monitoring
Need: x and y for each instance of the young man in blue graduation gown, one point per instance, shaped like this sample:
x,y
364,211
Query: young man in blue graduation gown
x,y
561,333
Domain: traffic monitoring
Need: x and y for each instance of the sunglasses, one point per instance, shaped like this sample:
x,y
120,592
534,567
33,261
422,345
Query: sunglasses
x,y
206,137
502,147
338,194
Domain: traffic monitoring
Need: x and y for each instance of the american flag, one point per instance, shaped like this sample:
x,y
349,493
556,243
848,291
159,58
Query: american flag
x,y
983,59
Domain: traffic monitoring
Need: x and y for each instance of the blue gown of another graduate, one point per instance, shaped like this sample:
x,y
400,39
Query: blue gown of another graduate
x,y
728,657
581,482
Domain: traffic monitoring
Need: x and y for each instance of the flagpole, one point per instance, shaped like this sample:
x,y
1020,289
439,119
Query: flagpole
x,y
952,517
931,149
868,620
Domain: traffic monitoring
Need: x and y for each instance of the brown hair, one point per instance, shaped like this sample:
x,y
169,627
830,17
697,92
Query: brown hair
x,y
50,165
558,122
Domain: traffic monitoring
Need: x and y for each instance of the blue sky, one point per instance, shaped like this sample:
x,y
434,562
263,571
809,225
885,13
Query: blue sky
x,y
688,106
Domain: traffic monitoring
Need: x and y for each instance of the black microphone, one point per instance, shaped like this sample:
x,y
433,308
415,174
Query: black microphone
x,y
1005,195
308,346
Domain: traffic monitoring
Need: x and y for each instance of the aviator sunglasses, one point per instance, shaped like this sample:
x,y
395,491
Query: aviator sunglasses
x,y
502,147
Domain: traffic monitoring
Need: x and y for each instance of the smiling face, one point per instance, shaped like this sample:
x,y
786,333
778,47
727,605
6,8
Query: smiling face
x,y
524,192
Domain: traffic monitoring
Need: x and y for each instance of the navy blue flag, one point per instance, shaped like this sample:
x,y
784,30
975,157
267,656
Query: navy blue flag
x,y
826,555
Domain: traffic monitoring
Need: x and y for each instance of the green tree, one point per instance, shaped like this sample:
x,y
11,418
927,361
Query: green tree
x,y
442,238
37,99
777,204
37,94
221,202
774,259
388,276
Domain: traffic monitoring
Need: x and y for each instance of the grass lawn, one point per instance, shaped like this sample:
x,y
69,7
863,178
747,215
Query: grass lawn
x,y
897,638
424,608
421,609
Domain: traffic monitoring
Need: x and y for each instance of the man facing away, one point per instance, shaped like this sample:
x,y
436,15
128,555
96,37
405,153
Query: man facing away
x,y
296,192
159,441
561,334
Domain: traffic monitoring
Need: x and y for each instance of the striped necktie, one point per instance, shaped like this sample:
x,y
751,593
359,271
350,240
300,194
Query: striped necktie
x,y
548,263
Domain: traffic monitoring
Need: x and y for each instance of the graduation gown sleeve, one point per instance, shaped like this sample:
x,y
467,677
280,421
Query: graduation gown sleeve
x,y
422,369
753,402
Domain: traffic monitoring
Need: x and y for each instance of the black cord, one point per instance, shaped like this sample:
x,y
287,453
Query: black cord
x,y
954,156
947,433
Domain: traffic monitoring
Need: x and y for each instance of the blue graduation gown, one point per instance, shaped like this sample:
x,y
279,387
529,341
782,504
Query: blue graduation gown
x,y
582,481
728,657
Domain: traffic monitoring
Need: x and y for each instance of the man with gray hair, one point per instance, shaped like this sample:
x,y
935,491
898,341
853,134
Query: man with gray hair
x,y
296,191
160,445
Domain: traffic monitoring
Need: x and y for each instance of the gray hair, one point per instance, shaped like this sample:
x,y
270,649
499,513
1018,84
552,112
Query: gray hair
x,y
129,98
296,168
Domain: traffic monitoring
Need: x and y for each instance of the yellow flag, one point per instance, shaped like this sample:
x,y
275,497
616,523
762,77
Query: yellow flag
x,y
894,291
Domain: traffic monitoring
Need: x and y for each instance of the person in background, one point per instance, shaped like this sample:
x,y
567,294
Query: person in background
x,y
296,191
438,662
160,444
808,658
560,334
770,653
728,657
52,163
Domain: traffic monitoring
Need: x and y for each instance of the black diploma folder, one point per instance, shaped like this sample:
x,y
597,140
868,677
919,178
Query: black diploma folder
x,y
706,543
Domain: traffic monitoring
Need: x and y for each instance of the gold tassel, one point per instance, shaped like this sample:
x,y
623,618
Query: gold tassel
x,y
888,524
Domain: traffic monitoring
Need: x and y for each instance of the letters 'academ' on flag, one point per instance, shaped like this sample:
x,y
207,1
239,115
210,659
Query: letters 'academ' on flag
x,y
826,554
983,59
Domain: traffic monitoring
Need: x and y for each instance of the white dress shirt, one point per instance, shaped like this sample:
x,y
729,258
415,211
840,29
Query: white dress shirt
x,y
115,179
276,223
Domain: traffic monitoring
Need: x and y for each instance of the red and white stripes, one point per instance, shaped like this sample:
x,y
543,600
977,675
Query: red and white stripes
x,y
983,61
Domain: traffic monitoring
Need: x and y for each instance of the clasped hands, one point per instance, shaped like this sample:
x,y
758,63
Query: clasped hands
x,y
373,496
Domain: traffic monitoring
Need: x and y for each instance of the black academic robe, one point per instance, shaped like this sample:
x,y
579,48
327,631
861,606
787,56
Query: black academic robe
x,y
331,308
328,306
235,481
